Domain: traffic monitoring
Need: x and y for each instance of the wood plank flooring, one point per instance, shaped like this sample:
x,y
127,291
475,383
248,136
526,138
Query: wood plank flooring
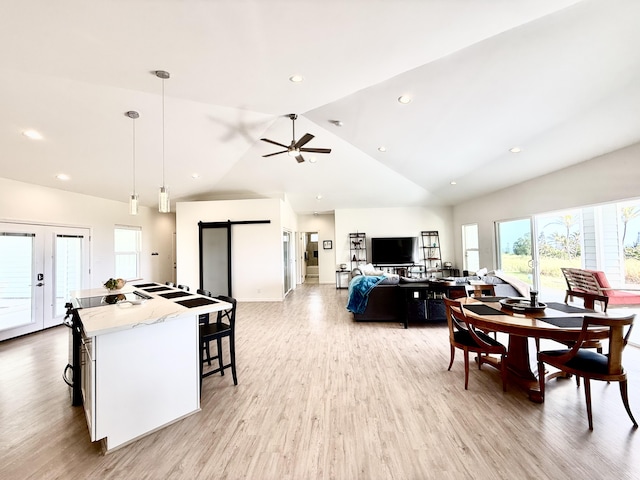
x,y
323,397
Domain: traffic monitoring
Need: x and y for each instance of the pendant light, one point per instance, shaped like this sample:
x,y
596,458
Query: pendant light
x,y
164,205
133,198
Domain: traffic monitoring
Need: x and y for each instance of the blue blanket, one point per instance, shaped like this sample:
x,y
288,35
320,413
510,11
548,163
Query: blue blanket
x,y
359,289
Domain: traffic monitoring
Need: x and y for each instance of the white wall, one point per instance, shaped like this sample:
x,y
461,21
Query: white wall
x,y
27,203
611,177
257,259
325,226
392,222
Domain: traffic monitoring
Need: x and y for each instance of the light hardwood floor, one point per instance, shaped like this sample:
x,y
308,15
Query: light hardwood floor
x,y
323,397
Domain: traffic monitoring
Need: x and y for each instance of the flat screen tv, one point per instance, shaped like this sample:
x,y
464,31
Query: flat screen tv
x,y
393,250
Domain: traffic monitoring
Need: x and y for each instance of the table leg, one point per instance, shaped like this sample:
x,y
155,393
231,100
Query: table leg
x,y
519,366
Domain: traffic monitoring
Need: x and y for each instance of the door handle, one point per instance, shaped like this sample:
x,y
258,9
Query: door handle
x,y
41,284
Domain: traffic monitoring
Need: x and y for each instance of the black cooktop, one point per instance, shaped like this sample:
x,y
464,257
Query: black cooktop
x,y
110,299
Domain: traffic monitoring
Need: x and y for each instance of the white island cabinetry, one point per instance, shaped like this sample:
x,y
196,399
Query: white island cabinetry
x,y
145,371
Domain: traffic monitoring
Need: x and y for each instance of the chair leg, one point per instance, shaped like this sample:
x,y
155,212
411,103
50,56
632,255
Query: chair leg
x,y
232,353
625,400
466,369
453,354
541,378
219,341
587,395
503,371
201,362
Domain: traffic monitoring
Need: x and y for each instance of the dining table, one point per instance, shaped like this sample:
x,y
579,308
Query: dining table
x,y
552,321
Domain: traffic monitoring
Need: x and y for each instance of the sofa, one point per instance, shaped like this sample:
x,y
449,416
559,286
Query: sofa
x,y
386,300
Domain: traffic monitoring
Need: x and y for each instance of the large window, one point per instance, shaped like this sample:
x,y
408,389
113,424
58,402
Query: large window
x,y
128,241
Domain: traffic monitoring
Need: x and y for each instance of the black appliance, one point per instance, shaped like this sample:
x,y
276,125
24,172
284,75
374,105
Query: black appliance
x,y
72,374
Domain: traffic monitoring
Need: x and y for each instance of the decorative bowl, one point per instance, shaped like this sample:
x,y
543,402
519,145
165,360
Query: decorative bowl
x,y
115,284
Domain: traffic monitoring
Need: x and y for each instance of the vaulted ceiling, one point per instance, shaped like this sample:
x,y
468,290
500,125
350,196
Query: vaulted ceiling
x,y
560,79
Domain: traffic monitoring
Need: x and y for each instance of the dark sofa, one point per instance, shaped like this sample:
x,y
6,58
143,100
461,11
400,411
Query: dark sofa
x,y
386,302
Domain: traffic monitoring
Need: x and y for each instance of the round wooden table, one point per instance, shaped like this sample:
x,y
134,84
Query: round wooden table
x,y
520,327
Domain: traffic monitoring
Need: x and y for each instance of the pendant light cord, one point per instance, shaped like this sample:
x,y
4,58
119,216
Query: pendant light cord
x,y
134,155
163,133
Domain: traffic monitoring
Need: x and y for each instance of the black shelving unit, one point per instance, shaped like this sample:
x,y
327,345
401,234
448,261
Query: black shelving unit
x,y
357,249
431,252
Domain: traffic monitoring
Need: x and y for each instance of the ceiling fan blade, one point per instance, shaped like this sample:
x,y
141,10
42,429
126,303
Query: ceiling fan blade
x,y
277,153
275,143
304,140
316,150
299,158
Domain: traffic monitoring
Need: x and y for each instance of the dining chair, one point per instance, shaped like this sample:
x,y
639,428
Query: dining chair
x,y
464,335
170,284
592,365
184,287
224,326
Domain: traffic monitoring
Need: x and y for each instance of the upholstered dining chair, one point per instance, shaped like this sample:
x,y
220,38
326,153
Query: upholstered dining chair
x,y
592,365
224,326
463,335
184,287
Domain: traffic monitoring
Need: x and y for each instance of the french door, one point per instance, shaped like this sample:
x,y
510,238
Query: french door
x,y
39,266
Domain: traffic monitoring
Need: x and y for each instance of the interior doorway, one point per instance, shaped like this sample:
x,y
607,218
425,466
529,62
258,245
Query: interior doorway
x,y
311,257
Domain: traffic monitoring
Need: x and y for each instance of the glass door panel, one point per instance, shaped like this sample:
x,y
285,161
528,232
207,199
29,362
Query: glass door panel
x,y
559,243
16,290
69,261
515,254
287,258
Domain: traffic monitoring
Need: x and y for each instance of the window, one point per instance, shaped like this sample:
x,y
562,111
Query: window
x,y
127,246
470,248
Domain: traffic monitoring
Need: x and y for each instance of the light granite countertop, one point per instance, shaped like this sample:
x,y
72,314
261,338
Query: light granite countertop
x,y
125,315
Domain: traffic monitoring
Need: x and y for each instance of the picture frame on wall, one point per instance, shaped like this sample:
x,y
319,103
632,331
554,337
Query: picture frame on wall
x,y
327,244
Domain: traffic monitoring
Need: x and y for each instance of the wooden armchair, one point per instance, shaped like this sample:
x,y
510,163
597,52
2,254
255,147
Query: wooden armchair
x,y
593,286
463,335
590,365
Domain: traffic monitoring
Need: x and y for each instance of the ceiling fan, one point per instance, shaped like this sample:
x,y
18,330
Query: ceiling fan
x,y
296,148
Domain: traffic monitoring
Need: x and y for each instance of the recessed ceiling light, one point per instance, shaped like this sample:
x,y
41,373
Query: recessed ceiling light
x,y
404,99
63,176
32,134
382,149
318,197
337,123
296,78
313,160
195,176
515,150
453,182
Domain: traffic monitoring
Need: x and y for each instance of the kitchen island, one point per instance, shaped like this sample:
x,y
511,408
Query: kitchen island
x,y
139,358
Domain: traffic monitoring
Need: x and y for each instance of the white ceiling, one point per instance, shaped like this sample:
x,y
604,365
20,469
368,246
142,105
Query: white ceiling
x,y
558,78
